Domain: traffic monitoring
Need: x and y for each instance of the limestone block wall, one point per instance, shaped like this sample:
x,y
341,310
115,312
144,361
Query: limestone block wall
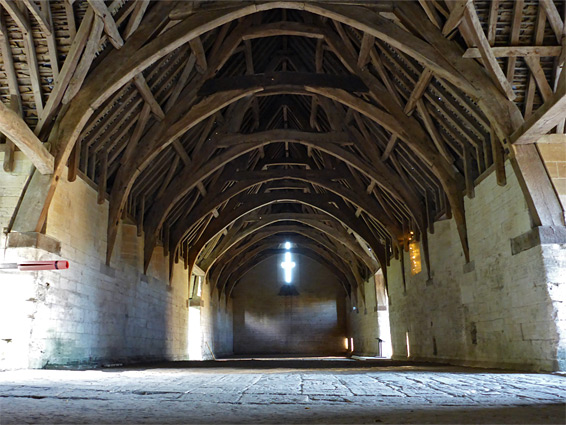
x,y
552,149
362,321
90,314
498,310
311,323
216,325
370,321
11,185
554,257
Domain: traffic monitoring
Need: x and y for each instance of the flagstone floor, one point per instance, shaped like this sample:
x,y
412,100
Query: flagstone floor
x,y
313,391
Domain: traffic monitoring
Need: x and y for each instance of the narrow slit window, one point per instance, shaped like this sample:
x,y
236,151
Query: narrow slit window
x,y
288,265
415,257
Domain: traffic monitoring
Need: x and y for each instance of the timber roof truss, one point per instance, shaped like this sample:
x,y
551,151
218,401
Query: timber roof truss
x,y
221,128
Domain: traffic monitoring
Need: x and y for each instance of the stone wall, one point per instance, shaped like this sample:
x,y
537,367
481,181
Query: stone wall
x,y
311,323
552,148
498,310
370,321
91,314
11,185
216,325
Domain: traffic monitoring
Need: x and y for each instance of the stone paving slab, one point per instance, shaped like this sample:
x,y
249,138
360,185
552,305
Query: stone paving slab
x,y
227,393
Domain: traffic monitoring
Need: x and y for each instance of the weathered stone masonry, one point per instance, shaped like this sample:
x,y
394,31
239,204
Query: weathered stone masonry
x,y
504,308
94,314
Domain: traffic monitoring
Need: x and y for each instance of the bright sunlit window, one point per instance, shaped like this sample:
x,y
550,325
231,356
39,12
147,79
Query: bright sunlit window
x,y
288,265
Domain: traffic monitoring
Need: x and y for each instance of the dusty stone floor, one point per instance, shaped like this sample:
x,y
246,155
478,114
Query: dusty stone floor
x,y
312,391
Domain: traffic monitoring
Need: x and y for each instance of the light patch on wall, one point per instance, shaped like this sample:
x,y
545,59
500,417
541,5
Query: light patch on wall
x,y
17,306
408,344
194,334
415,257
262,325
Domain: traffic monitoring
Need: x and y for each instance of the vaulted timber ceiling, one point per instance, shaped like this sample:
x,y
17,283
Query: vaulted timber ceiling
x,y
224,128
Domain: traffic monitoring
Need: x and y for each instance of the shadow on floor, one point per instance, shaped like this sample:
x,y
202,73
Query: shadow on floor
x,y
303,363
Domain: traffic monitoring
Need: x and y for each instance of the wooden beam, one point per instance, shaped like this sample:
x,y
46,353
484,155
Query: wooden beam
x,y
198,51
21,18
185,31
66,134
554,19
515,31
103,169
386,120
249,203
322,178
134,58
17,15
345,39
74,161
51,40
136,18
181,82
431,12
418,140
8,60
456,16
43,23
378,64
540,78
516,51
490,62
147,95
367,44
349,83
544,119
433,131
337,137
501,112
250,71
67,71
70,13
492,23
168,177
189,163
276,29
418,91
188,180
9,153
14,90
336,232
543,203
88,55
141,213
498,154
14,127
110,27
468,170
538,38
